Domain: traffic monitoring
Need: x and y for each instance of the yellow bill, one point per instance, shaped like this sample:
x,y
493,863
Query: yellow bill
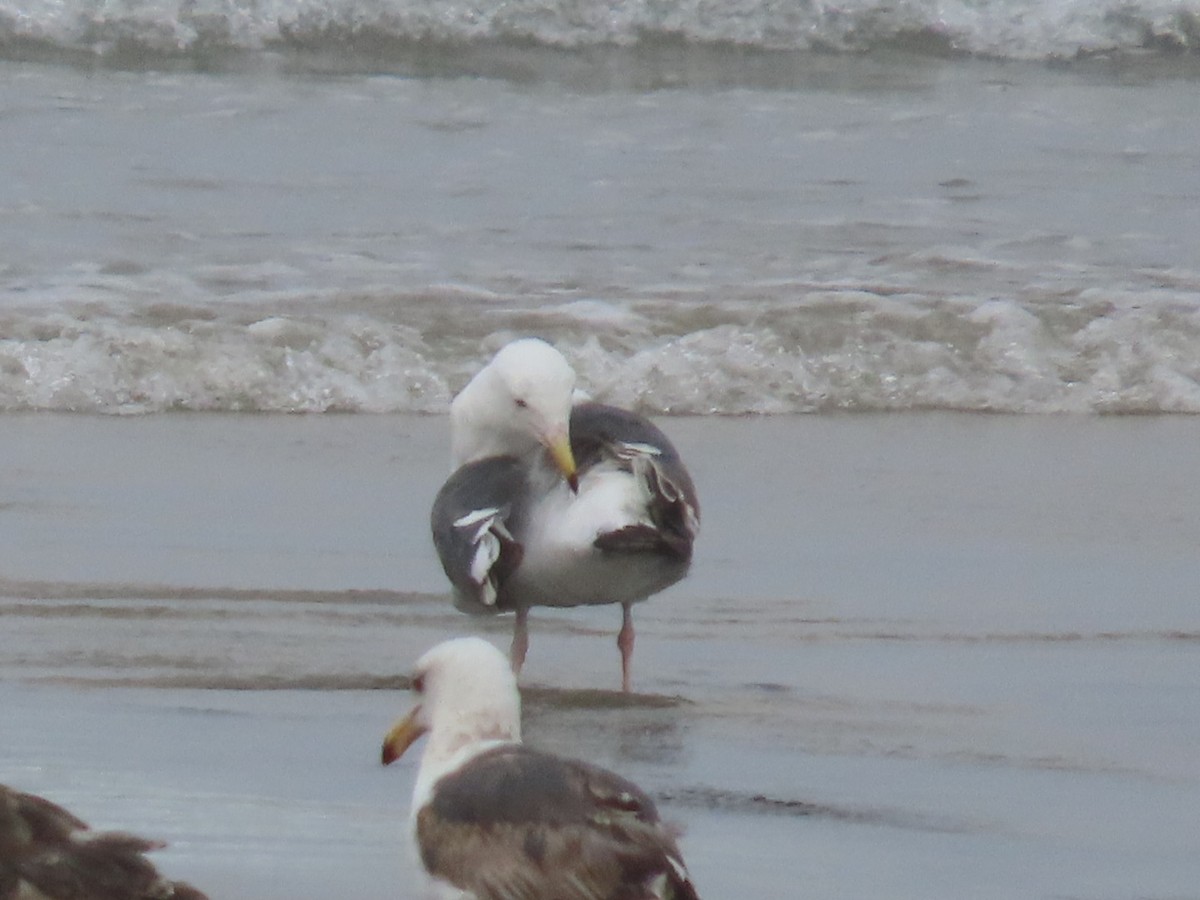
x,y
559,446
401,737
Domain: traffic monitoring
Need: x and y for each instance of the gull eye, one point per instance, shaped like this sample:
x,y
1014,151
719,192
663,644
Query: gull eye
x,y
418,683
522,404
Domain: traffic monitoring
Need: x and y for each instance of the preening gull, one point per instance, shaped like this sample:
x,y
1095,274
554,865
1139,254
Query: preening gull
x,y
493,819
46,853
552,503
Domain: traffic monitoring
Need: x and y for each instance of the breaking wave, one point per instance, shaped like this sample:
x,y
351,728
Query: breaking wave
x,y
807,349
148,30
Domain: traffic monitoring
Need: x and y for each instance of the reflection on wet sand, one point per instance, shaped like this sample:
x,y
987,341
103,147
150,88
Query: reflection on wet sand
x,y
940,680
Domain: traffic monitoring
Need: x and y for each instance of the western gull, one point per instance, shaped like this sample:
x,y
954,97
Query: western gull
x,y
555,503
46,853
493,819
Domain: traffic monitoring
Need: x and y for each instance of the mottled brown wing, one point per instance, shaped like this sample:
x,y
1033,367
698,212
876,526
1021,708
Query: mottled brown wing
x,y
46,849
517,823
29,819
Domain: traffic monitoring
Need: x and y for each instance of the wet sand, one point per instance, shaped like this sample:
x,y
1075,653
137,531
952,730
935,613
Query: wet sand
x,y
918,656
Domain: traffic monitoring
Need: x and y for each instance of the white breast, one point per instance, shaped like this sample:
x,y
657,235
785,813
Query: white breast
x,y
561,565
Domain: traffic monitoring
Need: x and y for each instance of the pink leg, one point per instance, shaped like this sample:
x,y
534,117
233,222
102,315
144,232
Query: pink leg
x,y
520,641
625,642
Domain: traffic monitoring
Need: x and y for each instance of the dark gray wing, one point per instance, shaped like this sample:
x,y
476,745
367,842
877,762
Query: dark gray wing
x,y
601,433
47,852
473,519
515,822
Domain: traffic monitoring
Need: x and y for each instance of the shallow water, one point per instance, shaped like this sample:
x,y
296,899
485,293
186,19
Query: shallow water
x,y
927,656
755,233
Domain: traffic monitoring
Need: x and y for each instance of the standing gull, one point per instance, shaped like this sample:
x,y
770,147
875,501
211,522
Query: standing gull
x,y
48,854
493,819
557,504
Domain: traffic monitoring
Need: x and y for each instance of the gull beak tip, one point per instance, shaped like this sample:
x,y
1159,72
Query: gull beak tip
x,y
402,736
559,445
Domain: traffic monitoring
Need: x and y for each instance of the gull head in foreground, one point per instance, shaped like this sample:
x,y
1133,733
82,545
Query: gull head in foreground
x,y
493,819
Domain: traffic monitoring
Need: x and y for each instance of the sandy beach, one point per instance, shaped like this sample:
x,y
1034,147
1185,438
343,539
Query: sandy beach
x,y
914,287
927,656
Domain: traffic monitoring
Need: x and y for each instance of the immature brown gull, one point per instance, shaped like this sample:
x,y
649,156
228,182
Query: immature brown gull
x,y
493,819
555,504
48,854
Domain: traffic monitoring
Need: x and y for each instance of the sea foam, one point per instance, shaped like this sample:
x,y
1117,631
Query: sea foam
x,y
1010,29
816,351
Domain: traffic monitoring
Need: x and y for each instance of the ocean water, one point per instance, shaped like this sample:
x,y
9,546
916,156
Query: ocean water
x,y
922,653
711,208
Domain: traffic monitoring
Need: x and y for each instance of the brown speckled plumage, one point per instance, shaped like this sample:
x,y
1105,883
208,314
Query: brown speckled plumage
x,y
46,853
518,823
502,821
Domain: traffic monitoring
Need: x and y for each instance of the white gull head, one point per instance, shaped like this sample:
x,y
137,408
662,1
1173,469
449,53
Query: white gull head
x,y
467,701
519,401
